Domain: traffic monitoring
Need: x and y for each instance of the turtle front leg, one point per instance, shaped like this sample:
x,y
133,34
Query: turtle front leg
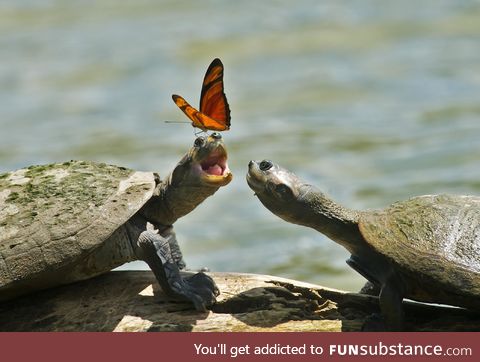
x,y
391,306
175,251
198,289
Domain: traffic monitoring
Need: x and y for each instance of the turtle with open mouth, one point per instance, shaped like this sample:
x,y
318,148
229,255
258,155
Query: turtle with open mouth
x,y
71,221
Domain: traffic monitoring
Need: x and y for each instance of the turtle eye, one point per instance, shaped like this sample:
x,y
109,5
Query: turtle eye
x,y
265,165
199,142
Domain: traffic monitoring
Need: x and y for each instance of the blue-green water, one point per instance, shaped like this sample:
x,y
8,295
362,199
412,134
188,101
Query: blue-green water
x,y
373,101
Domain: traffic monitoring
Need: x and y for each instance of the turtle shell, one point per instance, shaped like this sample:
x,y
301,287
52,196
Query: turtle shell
x,y
53,215
433,237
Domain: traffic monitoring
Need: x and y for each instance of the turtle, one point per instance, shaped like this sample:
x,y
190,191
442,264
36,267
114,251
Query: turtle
x,y
426,248
70,221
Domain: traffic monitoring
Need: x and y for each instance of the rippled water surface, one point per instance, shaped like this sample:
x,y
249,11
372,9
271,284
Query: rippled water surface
x,y
372,101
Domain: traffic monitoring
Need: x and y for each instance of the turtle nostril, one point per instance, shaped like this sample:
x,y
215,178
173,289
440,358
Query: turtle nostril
x,y
216,135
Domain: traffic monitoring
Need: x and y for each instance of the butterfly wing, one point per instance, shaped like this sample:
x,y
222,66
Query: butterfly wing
x,y
213,102
198,119
214,111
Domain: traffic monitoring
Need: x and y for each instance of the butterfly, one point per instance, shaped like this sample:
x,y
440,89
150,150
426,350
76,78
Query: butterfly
x,y
214,111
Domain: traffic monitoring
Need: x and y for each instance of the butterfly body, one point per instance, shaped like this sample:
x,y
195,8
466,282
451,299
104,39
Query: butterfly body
x,y
214,113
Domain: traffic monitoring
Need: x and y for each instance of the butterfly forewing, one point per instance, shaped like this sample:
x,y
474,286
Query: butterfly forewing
x,y
213,101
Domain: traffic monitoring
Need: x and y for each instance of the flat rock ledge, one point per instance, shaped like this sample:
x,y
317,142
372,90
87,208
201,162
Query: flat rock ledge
x,y
131,301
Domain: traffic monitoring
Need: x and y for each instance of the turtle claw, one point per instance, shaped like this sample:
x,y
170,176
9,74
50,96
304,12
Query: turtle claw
x,y
202,280
200,289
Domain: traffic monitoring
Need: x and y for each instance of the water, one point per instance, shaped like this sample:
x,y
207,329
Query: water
x,y
372,101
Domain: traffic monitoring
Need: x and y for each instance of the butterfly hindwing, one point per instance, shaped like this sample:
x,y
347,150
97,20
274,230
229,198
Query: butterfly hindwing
x,y
198,119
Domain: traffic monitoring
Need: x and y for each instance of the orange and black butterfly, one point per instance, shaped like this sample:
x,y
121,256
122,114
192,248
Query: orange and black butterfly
x,y
214,111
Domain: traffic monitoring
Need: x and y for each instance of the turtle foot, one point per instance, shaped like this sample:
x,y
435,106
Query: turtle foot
x,y
199,289
370,289
374,323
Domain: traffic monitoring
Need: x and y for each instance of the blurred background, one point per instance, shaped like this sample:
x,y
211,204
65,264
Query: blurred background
x,y
372,101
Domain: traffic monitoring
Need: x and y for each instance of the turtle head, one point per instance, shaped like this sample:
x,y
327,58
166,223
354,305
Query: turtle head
x,y
279,190
205,164
198,175
295,201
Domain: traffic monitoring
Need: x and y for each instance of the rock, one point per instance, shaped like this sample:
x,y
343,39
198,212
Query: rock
x,y
130,301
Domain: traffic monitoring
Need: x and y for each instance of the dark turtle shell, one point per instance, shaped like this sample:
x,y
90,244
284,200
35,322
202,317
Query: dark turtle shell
x,y
434,237
51,216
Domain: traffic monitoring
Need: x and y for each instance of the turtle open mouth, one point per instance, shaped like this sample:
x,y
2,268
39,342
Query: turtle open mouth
x,y
215,164
214,168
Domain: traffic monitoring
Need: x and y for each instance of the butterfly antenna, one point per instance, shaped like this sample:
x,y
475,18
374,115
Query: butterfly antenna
x,y
176,122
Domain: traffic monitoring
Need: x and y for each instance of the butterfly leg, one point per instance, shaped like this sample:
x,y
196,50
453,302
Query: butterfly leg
x,y
199,288
200,132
